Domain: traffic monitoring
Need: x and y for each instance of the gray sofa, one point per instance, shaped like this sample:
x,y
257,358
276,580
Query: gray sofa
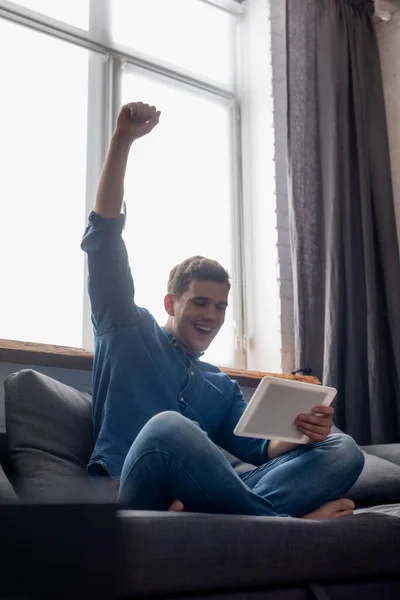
x,y
168,555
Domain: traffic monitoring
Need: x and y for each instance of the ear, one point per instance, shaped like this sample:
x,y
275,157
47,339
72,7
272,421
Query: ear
x,y
169,304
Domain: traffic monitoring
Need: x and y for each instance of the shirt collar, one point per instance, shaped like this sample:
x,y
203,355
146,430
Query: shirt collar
x,y
193,355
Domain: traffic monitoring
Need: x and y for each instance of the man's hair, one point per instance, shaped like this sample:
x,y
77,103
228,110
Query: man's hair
x,y
196,267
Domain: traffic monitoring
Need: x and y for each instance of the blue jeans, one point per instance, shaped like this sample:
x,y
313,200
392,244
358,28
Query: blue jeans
x,y
172,458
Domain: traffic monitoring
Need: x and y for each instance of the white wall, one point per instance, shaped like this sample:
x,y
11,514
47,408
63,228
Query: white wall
x,y
388,35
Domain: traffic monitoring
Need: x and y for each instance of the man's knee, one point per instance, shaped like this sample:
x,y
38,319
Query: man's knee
x,y
167,428
346,454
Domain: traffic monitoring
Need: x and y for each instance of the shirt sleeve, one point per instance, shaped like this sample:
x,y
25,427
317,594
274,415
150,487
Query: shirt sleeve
x,y
110,282
249,450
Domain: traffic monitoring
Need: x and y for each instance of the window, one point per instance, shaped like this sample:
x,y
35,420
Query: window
x,y
190,34
60,98
74,12
43,124
178,192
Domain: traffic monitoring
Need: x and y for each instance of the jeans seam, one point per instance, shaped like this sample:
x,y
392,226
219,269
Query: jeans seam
x,y
182,467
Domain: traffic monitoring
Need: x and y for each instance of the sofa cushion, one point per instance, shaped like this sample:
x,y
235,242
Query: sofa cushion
x,y
390,452
379,483
49,427
383,509
170,553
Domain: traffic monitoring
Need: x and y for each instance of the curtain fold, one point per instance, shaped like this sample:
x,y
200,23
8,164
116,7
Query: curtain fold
x,y
345,251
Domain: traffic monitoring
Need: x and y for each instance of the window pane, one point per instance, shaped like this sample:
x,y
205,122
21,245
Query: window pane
x,y
187,33
43,124
179,194
74,12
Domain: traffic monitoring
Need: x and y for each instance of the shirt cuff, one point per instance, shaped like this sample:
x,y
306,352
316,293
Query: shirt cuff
x,y
99,223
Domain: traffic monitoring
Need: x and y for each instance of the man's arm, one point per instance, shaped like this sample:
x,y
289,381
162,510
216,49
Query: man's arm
x,y
277,448
134,121
111,286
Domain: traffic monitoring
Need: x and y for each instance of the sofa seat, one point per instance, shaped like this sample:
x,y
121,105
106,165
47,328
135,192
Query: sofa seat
x,y
183,553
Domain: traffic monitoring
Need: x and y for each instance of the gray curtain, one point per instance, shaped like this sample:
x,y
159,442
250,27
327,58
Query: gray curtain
x,y
345,250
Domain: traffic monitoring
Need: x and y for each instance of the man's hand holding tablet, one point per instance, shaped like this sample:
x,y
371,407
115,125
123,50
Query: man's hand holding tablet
x,y
318,425
288,413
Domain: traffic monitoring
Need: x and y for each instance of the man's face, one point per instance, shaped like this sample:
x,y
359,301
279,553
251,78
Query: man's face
x,y
197,316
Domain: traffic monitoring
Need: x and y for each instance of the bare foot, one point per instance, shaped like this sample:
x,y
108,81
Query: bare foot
x,y
176,506
333,510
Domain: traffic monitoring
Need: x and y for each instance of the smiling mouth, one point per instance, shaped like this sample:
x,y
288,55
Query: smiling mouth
x,y
204,330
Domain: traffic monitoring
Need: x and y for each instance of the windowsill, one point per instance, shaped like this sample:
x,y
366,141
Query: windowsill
x,y
76,358
45,355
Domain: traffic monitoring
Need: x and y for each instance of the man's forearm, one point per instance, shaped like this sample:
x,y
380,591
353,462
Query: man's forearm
x,y
110,192
277,448
134,121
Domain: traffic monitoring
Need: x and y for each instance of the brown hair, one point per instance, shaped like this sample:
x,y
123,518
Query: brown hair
x,y
196,267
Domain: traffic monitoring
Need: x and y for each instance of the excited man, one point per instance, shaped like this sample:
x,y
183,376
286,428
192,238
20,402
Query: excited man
x,y
161,415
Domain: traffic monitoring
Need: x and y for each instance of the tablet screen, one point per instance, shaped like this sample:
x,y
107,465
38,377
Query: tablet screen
x,y
275,405
278,421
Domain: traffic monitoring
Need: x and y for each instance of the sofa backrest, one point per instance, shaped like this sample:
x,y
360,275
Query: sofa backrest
x,y
49,443
49,429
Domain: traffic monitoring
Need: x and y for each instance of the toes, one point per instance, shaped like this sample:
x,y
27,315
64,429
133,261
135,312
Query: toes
x,y
176,506
343,504
348,504
343,513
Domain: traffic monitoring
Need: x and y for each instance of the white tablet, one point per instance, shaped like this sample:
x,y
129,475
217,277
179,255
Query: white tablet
x,y
276,404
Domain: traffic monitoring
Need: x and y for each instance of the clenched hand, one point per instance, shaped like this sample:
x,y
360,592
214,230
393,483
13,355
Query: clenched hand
x,y
136,119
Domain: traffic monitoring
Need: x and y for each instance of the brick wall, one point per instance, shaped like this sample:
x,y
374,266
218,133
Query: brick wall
x,y
278,46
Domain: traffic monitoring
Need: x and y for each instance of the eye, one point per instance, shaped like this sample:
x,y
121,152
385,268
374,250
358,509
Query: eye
x,y
221,307
199,302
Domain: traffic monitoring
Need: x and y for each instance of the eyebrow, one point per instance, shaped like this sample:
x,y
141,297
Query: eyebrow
x,y
221,302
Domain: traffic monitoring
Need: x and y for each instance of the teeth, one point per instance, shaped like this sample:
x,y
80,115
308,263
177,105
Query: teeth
x,y
208,329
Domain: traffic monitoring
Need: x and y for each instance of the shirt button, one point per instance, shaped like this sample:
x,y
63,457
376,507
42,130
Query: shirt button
x,y
182,399
192,373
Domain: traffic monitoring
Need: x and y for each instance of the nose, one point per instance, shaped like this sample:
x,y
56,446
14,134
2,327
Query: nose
x,y
210,314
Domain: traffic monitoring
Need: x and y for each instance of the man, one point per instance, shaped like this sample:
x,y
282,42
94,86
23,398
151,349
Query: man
x,y
160,414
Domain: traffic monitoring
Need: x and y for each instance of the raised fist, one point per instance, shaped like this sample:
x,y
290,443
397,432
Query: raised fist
x,y
137,119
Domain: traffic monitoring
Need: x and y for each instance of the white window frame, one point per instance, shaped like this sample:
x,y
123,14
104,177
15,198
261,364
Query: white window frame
x,y
263,165
104,109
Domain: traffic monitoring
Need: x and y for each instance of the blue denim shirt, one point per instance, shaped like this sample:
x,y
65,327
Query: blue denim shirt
x,y
140,369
